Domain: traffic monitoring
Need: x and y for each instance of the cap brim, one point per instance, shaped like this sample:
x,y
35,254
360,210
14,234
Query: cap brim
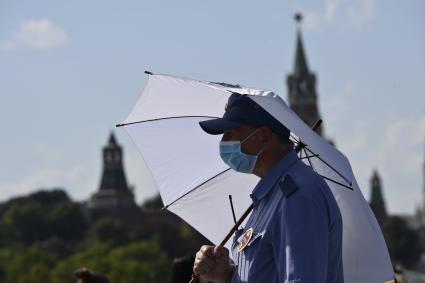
x,y
218,126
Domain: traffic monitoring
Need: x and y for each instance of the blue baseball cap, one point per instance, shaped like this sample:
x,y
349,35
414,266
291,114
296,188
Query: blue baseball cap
x,y
242,110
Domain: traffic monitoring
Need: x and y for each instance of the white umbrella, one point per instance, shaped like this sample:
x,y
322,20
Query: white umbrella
x,y
195,183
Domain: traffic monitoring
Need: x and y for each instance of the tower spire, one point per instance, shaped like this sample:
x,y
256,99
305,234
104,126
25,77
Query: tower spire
x,y
377,202
112,140
302,84
300,63
423,192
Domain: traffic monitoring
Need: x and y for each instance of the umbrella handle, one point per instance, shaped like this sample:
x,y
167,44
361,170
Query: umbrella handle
x,y
237,224
299,147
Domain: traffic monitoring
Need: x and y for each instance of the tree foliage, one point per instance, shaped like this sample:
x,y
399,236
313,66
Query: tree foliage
x,y
135,262
45,237
108,230
41,216
25,265
403,242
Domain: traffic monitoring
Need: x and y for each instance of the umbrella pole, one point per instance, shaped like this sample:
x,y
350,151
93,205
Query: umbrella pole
x,y
298,148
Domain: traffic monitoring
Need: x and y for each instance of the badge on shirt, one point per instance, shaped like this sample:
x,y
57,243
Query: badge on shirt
x,y
246,239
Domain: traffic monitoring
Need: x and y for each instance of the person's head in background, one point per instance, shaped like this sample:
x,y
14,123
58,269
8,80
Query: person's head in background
x,y
84,275
181,271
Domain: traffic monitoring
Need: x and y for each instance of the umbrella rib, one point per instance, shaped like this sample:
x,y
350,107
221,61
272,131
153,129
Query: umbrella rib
x,y
327,164
336,182
308,157
233,210
203,183
324,177
295,139
165,118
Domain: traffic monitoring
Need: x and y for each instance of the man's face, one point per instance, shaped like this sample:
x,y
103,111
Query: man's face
x,y
251,144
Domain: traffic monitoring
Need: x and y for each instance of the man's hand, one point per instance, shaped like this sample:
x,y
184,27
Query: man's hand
x,y
213,263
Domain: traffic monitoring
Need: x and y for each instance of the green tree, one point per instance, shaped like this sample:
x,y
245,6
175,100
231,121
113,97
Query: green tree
x,y
109,230
95,258
45,198
402,241
43,215
68,221
27,265
143,261
58,247
49,198
27,222
136,262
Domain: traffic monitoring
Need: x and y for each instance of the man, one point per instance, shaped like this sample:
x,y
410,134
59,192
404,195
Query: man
x,y
294,233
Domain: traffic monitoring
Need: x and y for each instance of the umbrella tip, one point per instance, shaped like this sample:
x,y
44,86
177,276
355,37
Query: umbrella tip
x,y
119,125
149,73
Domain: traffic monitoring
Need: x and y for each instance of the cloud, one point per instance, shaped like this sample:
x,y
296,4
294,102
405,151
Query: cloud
x,y
396,150
37,34
393,145
404,142
74,180
50,170
352,13
337,106
362,12
79,180
400,157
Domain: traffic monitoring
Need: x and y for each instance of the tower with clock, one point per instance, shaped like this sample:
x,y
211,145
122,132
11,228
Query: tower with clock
x,y
302,95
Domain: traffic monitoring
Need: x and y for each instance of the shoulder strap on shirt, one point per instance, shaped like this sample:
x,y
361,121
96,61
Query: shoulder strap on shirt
x,y
287,186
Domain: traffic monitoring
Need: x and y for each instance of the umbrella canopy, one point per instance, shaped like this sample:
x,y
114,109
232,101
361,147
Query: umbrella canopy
x,y
195,183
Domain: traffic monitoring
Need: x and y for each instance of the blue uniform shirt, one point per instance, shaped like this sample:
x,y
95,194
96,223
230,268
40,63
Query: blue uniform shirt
x,y
297,229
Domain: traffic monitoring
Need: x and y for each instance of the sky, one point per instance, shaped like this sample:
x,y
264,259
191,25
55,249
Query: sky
x,y
71,70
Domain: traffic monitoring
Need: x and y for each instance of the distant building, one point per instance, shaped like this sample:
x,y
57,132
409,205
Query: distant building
x,y
418,220
302,95
377,203
420,214
114,197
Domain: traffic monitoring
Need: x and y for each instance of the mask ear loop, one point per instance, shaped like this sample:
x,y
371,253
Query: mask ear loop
x,y
262,148
250,135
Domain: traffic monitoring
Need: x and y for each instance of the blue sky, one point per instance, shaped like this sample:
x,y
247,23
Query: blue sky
x,y
71,70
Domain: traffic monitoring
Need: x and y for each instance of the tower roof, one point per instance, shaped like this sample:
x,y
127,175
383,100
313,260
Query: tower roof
x,y
376,193
300,63
113,193
377,202
302,94
112,140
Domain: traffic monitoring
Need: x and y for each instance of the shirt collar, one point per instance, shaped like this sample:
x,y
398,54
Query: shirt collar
x,y
267,183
